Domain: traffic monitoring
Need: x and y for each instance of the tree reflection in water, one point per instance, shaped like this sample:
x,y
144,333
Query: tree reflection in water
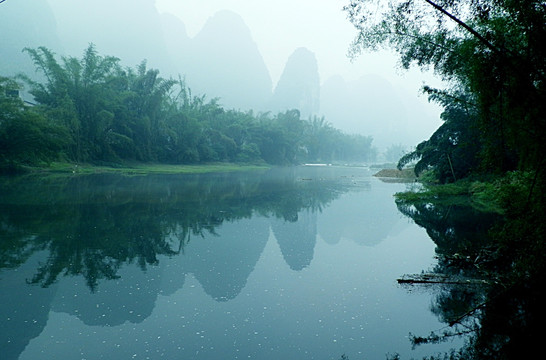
x,y
93,225
499,319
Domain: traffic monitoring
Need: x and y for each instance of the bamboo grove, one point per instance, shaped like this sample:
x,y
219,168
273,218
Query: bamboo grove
x,y
490,53
91,109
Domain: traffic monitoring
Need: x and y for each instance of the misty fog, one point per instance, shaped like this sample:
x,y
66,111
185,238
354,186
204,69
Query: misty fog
x,y
222,58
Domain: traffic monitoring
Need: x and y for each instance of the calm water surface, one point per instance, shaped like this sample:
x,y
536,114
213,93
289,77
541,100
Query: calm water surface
x,y
296,263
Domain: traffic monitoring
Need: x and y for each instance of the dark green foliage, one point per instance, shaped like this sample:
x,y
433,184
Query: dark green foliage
x,y
324,143
506,315
93,110
491,55
494,117
452,151
26,137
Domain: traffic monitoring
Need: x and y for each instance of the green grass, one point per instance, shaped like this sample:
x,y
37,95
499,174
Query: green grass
x,y
435,193
144,168
483,196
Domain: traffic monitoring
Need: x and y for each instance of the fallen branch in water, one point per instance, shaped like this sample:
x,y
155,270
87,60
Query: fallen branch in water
x,y
438,279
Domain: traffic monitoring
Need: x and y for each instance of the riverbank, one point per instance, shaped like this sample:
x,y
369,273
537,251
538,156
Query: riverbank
x,y
501,194
404,174
140,168
489,237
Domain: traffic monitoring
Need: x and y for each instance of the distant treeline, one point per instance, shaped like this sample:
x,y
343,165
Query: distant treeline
x,y
94,110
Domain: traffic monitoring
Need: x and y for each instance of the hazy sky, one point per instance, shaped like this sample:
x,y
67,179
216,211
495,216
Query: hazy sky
x,y
281,26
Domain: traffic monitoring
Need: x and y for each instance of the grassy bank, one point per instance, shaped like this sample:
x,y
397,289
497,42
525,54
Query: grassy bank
x,y
499,194
141,168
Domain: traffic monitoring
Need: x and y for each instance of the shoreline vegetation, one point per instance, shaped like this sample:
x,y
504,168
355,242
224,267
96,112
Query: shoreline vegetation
x,y
92,110
386,173
139,168
143,168
483,195
489,246
501,194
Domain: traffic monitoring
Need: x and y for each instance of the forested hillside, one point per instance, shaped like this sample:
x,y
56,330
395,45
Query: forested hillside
x,y
91,109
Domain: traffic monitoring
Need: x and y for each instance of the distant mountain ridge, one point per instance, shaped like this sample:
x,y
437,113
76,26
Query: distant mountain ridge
x,y
25,24
299,84
225,62
222,60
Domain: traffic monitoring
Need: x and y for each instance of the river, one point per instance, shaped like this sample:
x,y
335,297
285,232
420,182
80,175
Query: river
x,y
288,263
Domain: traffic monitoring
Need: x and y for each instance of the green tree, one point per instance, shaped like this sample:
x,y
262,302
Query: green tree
x,y
86,91
26,137
453,150
490,51
114,114
318,139
188,121
324,143
279,137
145,101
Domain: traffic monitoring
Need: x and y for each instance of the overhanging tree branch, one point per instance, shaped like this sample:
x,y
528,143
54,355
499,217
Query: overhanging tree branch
x,y
466,27
421,38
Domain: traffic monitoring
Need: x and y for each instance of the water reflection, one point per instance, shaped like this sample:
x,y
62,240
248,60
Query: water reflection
x,y
128,240
297,238
453,228
365,225
222,261
25,309
499,319
93,225
128,298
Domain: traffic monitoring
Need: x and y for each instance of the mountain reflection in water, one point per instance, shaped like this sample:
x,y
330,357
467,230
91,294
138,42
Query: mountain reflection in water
x,y
127,240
